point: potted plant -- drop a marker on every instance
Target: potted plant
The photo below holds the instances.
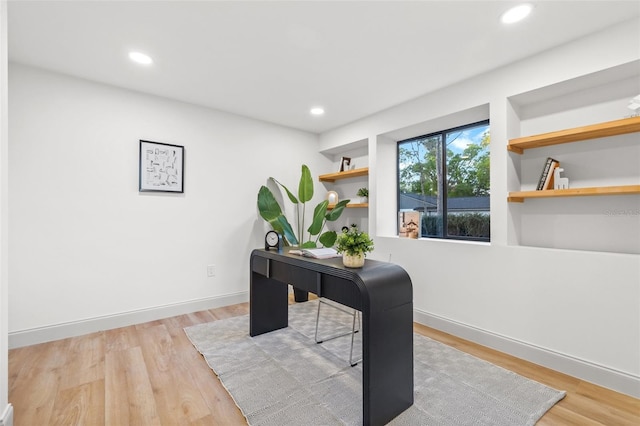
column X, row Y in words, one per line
column 271, row 211
column 354, row 246
column 363, row 193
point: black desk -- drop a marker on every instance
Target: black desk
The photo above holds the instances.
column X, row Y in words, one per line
column 381, row 291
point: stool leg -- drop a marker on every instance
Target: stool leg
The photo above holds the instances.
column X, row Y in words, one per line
column 324, row 339
column 317, row 322
column 356, row 313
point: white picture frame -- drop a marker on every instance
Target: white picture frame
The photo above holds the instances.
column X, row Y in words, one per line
column 161, row 167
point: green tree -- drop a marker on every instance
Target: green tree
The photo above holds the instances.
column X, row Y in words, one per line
column 418, row 166
column 467, row 172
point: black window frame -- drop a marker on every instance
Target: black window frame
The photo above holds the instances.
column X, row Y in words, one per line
column 442, row 185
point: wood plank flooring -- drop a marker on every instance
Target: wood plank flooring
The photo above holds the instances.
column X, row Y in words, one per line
column 150, row 374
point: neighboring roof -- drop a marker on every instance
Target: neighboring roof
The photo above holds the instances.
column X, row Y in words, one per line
column 429, row 203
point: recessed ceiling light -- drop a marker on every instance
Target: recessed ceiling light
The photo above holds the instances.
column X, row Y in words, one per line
column 517, row 13
column 140, row 58
column 317, row 111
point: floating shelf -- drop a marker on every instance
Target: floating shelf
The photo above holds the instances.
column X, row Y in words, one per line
column 520, row 196
column 600, row 130
column 350, row 205
column 332, row 177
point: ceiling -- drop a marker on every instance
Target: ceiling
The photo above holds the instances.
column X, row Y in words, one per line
column 273, row 60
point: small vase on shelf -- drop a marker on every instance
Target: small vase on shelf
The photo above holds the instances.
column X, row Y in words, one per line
column 363, row 193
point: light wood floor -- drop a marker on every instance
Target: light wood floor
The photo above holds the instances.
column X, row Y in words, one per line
column 150, row 374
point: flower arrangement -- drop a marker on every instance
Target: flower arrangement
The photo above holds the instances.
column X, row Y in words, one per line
column 354, row 242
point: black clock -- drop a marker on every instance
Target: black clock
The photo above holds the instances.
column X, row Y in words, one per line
column 273, row 240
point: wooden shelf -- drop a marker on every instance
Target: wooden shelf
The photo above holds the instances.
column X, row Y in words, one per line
column 601, row 130
column 520, row 196
column 350, row 205
column 332, row 177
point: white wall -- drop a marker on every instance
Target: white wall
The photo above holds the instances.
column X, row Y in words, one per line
column 575, row 311
column 87, row 250
column 6, row 411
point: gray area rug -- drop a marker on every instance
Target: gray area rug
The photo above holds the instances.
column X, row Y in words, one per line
column 285, row 378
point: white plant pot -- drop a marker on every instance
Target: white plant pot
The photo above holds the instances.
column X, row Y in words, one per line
column 350, row 261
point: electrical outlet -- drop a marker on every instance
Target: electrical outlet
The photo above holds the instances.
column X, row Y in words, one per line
column 211, row 270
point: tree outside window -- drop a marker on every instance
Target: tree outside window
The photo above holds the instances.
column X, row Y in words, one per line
column 445, row 175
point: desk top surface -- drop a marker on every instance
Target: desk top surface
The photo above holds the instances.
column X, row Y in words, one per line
column 333, row 266
column 389, row 280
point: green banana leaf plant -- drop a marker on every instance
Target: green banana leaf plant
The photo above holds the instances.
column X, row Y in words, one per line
column 271, row 211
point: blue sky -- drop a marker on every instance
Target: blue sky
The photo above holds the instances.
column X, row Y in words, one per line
column 469, row 136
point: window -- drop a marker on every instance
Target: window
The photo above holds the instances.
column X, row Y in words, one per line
column 445, row 176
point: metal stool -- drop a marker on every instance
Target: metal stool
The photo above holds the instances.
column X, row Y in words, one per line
column 354, row 313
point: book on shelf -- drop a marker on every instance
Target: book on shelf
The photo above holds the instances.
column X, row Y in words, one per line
column 546, row 176
column 549, row 182
column 317, row 253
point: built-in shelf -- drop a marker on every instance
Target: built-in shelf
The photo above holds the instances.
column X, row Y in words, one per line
column 600, row 130
column 332, row 177
column 520, row 196
column 350, row 205
column 576, row 134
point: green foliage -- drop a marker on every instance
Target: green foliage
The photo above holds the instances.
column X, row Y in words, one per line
column 354, row 242
column 468, row 172
column 363, row 192
column 476, row 225
column 271, row 211
column 305, row 187
column 421, row 169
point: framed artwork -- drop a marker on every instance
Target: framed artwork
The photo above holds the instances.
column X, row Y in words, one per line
column 161, row 167
column 409, row 224
column 345, row 162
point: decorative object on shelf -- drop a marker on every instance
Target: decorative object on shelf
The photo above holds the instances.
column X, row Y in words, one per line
column 345, row 164
column 272, row 239
column 271, row 211
column 161, row 167
column 363, row 193
column 560, row 182
column 409, row 225
column 332, row 197
column 354, row 246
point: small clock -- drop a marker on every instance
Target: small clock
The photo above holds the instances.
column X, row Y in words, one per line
column 273, row 240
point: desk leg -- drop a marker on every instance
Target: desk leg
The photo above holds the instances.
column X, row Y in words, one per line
column 300, row 295
column 268, row 305
column 388, row 363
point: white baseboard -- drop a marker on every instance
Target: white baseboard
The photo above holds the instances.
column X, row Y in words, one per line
column 618, row 381
column 7, row 416
column 78, row 328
